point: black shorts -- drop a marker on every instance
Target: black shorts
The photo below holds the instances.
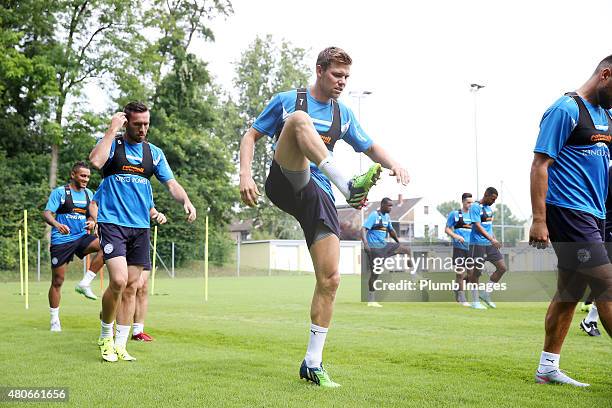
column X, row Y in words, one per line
column 63, row 253
column 132, row 243
column 577, row 238
column 310, row 207
column 388, row 250
column 459, row 256
column 485, row 252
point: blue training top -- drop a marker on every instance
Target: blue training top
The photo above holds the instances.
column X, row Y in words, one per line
column 378, row 226
column 282, row 105
column 464, row 230
column 125, row 200
column 484, row 215
column 578, row 179
column 74, row 221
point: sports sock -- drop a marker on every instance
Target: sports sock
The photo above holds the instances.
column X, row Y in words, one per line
column 121, row 335
column 548, row 362
column 107, row 329
column 592, row 316
column 330, row 168
column 86, row 281
column 137, row 328
column 314, row 352
column 54, row 311
column 475, row 296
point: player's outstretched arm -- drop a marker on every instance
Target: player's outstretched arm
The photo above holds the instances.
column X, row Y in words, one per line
column 538, row 233
column 379, row 155
column 179, row 194
column 100, row 153
column 248, row 189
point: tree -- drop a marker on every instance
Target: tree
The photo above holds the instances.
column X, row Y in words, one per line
column 513, row 230
column 447, row 206
column 263, row 70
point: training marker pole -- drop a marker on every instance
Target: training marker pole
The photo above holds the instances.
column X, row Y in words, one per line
column 25, row 257
column 206, row 263
column 154, row 259
column 20, row 264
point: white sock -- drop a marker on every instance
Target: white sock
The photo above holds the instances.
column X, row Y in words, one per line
column 593, row 315
column 314, row 352
column 137, row 328
column 475, row 296
column 330, row 168
column 54, row 311
column 86, row 281
column 548, row 362
column 121, row 335
column 107, row 329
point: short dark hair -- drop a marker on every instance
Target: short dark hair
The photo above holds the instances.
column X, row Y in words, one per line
column 490, row 191
column 465, row 195
column 385, row 201
column 79, row 165
column 134, row 107
column 604, row 63
column 333, row 54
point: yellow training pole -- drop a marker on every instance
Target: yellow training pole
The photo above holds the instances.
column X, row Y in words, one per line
column 25, row 257
column 20, row 264
column 206, row 263
column 154, row 259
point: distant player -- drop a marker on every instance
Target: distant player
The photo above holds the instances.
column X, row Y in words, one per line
column 125, row 199
column 374, row 234
column 569, row 186
column 141, row 299
column 306, row 124
column 459, row 228
column 71, row 235
column 484, row 247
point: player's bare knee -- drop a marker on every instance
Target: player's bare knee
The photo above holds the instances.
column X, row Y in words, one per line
column 330, row 283
column 57, row 281
column 118, row 284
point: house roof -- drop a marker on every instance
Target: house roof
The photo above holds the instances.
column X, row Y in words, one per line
column 242, row 225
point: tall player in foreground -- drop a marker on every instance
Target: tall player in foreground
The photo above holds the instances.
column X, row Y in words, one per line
column 306, row 123
column 569, row 183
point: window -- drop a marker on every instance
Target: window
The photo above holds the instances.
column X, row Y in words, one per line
column 426, row 233
column 426, row 209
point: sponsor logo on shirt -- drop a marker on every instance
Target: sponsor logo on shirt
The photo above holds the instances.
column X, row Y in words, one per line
column 132, row 168
column 75, row 217
column 130, row 179
column 326, row 139
column 601, row 138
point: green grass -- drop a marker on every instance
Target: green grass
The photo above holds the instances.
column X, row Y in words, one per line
column 244, row 348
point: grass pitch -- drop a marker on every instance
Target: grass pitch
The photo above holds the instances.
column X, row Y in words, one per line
column 244, row 348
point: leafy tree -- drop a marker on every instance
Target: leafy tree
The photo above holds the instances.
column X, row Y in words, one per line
column 447, row 206
column 514, row 231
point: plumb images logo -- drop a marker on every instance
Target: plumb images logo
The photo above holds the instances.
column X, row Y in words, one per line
column 583, row 255
column 108, row 248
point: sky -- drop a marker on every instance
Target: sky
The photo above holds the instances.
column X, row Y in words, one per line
column 418, row 59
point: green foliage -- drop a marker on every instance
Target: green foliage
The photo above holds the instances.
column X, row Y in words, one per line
column 447, row 206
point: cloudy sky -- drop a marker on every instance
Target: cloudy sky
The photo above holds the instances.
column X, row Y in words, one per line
column 419, row 58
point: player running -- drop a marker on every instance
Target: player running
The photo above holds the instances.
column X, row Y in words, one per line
column 484, row 246
column 569, row 183
column 125, row 199
column 306, row 124
column 68, row 212
column 374, row 234
column 459, row 228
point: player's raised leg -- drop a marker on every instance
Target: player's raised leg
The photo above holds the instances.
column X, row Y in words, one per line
column 97, row 262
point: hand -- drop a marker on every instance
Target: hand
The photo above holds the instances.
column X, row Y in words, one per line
column 159, row 218
column 538, row 234
column 118, row 121
column 190, row 211
column 90, row 225
column 496, row 243
column 248, row 191
column 400, row 174
column 460, row 239
column 63, row 229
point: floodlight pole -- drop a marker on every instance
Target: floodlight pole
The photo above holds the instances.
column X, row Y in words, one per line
column 360, row 95
column 474, row 88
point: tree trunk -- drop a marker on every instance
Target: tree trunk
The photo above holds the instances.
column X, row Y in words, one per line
column 53, row 166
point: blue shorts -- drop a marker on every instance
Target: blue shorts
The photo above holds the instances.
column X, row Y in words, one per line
column 459, row 256
column 577, row 238
column 486, row 253
column 63, row 253
column 131, row 243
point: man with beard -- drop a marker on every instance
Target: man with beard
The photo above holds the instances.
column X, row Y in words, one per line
column 569, row 185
